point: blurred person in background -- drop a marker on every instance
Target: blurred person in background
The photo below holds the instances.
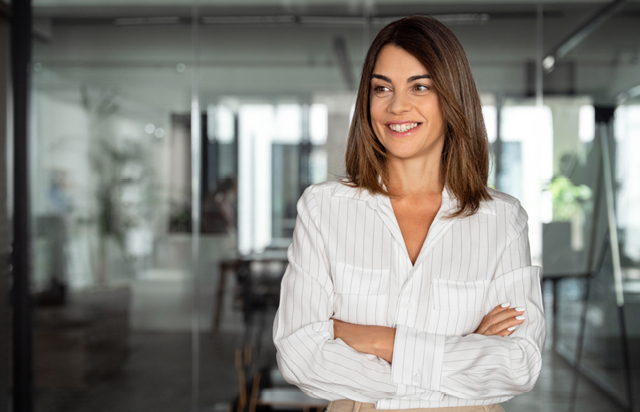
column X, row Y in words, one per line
column 218, row 208
column 410, row 282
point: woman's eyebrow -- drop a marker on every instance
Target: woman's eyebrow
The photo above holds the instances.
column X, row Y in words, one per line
column 409, row 80
column 420, row 76
column 381, row 77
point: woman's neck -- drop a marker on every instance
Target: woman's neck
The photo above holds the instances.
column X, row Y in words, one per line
column 414, row 177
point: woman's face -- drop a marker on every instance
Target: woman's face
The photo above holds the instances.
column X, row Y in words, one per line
column 404, row 107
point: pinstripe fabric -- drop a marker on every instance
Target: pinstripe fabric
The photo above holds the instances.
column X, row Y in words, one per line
column 348, row 260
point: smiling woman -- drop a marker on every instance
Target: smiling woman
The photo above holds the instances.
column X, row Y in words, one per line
column 409, row 281
column 438, row 76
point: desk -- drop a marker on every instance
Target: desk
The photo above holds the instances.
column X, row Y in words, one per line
column 553, row 280
column 246, row 268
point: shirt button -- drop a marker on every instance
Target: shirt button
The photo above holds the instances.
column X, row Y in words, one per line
column 416, row 377
column 405, row 304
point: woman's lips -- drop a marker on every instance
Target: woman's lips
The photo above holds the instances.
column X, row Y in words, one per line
column 402, row 133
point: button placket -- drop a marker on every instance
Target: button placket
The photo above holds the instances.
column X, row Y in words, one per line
column 405, row 291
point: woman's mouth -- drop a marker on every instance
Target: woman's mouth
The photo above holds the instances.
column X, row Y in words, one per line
column 402, row 127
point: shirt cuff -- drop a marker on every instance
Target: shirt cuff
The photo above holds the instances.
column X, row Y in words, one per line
column 331, row 331
column 417, row 358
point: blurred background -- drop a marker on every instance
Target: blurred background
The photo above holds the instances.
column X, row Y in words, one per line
column 169, row 140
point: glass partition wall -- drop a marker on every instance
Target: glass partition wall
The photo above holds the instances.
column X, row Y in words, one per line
column 167, row 143
column 113, row 269
column 589, row 249
column 170, row 143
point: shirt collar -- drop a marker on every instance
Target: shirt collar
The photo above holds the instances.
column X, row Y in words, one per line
column 449, row 201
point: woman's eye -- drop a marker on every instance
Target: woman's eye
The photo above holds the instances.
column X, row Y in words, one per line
column 421, row 88
column 380, row 89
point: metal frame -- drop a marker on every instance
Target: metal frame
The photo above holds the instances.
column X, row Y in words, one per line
column 5, row 11
column 21, row 37
column 5, row 229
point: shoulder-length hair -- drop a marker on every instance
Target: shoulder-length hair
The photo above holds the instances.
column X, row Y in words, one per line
column 465, row 155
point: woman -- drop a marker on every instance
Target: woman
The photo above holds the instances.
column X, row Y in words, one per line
column 410, row 284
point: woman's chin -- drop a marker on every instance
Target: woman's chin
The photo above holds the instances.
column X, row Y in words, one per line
column 406, row 155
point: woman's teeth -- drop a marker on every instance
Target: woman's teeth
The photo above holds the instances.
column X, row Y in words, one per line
column 402, row 127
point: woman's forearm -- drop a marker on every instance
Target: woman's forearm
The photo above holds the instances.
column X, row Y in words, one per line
column 379, row 340
column 375, row 340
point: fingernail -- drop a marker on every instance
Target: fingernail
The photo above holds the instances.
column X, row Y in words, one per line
column 511, row 328
column 504, row 305
column 521, row 317
column 519, row 309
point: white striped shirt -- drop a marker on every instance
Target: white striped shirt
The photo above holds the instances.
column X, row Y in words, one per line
column 348, row 260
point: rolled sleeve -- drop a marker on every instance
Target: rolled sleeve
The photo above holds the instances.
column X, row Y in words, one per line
column 417, row 358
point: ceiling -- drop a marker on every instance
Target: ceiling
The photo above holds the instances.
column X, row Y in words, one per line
column 144, row 49
column 296, row 3
column 109, row 8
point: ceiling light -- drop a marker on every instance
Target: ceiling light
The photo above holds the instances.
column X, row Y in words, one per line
column 450, row 19
column 248, row 19
column 144, row 21
column 333, row 20
column 548, row 63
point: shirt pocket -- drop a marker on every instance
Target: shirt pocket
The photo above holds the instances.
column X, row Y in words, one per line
column 361, row 294
column 458, row 306
column 355, row 280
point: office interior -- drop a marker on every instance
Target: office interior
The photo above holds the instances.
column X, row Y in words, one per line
column 169, row 141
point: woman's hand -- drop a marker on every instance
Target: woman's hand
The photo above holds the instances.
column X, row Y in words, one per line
column 375, row 340
column 501, row 321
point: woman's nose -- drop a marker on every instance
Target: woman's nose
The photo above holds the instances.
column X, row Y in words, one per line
column 399, row 104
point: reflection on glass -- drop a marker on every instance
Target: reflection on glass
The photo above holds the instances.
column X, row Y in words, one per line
column 527, row 133
column 627, row 133
column 112, row 268
column 490, row 122
column 587, row 128
column 273, row 158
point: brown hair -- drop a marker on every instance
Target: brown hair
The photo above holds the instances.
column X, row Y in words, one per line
column 465, row 155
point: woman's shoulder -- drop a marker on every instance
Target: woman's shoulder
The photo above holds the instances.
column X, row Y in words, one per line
column 498, row 197
column 326, row 185
column 340, row 188
column 326, row 193
column 503, row 204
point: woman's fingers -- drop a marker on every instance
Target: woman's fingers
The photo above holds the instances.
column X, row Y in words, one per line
column 506, row 326
column 500, row 308
column 488, row 319
column 501, row 321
